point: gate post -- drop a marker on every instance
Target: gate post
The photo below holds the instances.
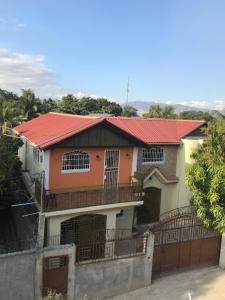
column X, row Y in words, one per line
column 149, row 258
column 222, row 252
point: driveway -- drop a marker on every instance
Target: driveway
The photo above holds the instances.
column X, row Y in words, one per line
column 201, row 284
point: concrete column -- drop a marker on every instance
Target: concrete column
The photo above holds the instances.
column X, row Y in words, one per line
column 222, row 252
column 111, row 219
column 41, row 229
column 149, row 239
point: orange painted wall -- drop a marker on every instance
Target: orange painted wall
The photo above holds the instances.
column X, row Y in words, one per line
column 94, row 177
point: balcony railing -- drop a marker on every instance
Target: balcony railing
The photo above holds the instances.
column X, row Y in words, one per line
column 88, row 196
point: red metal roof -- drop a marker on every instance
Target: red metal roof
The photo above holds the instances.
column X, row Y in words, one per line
column 156, row 130
column 51, row 128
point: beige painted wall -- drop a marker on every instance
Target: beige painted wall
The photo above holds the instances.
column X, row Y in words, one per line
column 54, row 223
column 176, row 195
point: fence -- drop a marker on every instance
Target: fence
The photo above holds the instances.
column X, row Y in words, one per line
column 88, row 196
column 110, row 250
column 116, row 244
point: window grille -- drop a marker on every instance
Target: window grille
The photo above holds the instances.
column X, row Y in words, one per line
column 35, row 155
column 153, row 154
column 76, row 161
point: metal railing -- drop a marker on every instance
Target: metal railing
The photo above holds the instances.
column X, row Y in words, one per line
column 110, row 250
column 88, row 196
column 115, row 245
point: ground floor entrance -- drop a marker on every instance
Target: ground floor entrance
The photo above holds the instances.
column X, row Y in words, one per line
column 88, row 232
column 182, row 241
column 150, row 210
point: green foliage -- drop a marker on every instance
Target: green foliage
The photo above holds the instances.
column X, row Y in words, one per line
column 16, row 109
column 156, row 111
column 53, row 295
column 206, row 177
column 129, row 111
column 195, row 115
column 49, row 105
column 87, row 105
column 10, row 163
column 30, row 106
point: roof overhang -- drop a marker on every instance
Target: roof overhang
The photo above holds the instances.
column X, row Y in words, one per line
column 160, row 176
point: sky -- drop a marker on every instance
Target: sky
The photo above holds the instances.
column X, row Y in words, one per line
column 172, row 50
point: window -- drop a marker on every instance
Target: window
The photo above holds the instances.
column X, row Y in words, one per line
column 76, row 161
column 35, row 155
column 153, row 154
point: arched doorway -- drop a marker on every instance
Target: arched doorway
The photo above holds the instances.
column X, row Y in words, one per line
column 150, row 210
column 88, row 233
column 83, row 229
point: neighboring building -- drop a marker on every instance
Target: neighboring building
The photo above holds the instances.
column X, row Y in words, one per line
column 95, row 168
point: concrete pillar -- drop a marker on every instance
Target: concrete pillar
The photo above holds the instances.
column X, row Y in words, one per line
column 149, row 247
column 41, row 230
column 111, row 220
column 222, row 252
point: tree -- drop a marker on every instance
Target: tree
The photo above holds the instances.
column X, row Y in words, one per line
column 10, row 163
column 107, row 107
column 9, row 108
column 168, row 112
column 87, row 105
column 129, row 111
column 206, row 177
column 30, row 105
column 156, row 111
column 195, row 115
column 69, row 104
column 49, row 105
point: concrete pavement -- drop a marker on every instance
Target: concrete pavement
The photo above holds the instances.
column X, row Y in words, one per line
column 200, row 284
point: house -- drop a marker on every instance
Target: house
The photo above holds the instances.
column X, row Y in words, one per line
column 100, row 175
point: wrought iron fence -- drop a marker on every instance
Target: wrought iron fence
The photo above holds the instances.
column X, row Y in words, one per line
column 88, row 196
column 180, row 225
column 116, row 244
column 110, row 250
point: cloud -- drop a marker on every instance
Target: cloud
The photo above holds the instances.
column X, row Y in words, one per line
column 21, row 25
column 22, row 71
column 10, row 24
column 213, row 105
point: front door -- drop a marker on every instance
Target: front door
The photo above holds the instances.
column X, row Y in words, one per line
column 111, row 173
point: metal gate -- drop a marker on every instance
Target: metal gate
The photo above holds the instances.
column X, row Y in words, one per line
column 111, row 168
column 182, row 241
column 55, row 274
column 88, row 232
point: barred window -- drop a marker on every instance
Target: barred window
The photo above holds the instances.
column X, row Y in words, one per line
column 153, row 154
column 76, row 161
column 35, row 155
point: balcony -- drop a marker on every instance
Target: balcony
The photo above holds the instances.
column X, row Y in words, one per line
column 87, row 196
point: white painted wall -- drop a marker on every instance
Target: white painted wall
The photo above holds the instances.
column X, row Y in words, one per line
column 25, row 154
column 46, row 167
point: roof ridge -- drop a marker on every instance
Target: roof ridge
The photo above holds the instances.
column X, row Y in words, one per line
column 152, row 119
column 74, row 115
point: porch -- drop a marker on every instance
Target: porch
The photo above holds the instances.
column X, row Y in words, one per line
column 87, row 196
